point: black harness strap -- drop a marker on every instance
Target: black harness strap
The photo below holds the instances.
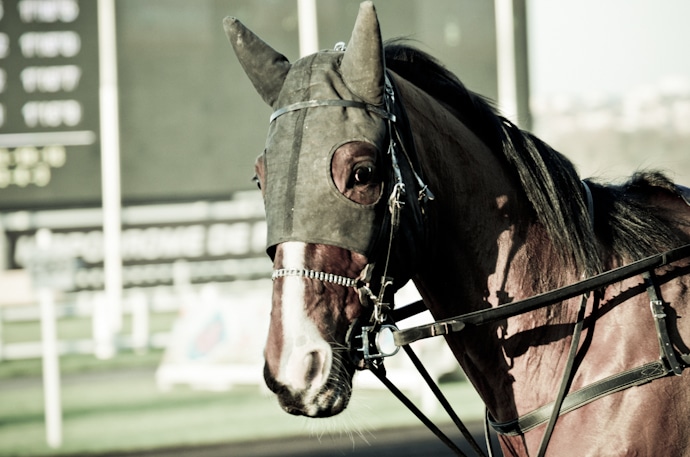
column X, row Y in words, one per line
column 380, row 372
column 485, row 316
column 667, row 364
column 442, row 399
column 620, row 381
column 656, row 304
column 566, row 381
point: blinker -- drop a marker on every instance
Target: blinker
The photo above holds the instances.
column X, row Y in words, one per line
column 317, row 114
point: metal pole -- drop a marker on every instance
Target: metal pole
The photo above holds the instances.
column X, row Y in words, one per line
column 520, row 26
column 308, row 27
column 51, row 363
column 512, row 61
column 505, row 53
column 110, row 161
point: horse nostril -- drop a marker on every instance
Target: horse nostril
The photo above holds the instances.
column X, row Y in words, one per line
column 314, row 363
column 293, row 410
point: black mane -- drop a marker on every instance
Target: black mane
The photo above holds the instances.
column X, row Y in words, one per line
column 624, row 224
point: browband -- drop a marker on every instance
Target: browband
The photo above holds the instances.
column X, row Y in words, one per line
column 335, row 102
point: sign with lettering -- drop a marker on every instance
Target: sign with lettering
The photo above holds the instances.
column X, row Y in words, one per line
column 160, row 244
column 52, row 269
column 49, row 118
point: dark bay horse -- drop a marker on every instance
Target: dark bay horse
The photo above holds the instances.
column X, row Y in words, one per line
column 356, row 136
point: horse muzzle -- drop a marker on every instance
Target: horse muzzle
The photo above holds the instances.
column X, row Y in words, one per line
column 323, row 400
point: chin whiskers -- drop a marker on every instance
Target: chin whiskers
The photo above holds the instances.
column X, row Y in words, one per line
column 350, row 425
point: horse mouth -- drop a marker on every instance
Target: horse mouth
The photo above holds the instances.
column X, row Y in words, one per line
column 329, row 400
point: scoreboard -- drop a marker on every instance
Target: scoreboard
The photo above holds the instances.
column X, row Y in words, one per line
column 48, row 102
column 191, row 124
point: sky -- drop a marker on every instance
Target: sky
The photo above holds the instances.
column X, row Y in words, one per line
column 606, row 46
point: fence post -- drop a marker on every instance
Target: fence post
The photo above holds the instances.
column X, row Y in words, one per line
column 140, row 321
column 51, row 362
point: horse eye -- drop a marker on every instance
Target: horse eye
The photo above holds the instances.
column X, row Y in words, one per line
column 363, row 175
column 257, row 181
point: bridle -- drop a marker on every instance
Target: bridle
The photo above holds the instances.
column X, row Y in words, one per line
column 370, row 337
column 375, row 294
column 375, row 336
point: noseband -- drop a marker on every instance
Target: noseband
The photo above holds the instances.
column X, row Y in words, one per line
column 312, row 274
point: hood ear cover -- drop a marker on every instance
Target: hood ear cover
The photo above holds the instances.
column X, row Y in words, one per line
column 362, row 67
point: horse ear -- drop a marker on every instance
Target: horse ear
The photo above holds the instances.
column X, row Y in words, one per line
column 363, row 66
column 265, row 67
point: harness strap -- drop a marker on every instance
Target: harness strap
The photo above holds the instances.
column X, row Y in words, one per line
column 410, row 335
column 380, row 373
column 667, row 365
column 615, row 383
column 335, row 102
column 488, row 315
column 443, row 400
column 557, row 407
column 666, row 351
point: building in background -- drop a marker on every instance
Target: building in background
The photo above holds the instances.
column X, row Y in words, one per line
column 609, row 88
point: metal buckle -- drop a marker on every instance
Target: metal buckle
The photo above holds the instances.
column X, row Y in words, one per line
column 378, row 342
column 657, row 307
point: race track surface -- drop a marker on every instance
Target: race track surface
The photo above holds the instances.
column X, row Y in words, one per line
column 403, row 442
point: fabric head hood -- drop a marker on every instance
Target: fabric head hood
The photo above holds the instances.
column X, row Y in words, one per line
column 302, row 202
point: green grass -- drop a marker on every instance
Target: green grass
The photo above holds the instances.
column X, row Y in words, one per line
column 110, row 412
column 75, row 327
column 114, row 405
column 72, row 364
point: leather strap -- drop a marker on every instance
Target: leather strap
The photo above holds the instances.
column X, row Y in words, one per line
column 335, row 102
column 380, row 372
column 566, row 381
column 621, row 381
column 404, row 337
column 488, row 315
column 656, row 304
column 667, row 364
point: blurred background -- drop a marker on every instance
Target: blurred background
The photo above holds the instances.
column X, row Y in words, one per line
column 134, row 287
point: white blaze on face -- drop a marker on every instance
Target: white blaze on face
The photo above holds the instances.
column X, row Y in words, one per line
column 306, row 357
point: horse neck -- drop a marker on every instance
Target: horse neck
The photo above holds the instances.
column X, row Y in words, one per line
column 484, row 251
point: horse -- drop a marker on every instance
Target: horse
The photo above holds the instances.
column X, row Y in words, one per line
column 381, row 167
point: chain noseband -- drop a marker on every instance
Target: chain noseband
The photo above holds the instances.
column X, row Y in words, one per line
column 312, row 274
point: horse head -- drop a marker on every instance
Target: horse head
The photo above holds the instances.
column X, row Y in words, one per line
column 324, row 176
